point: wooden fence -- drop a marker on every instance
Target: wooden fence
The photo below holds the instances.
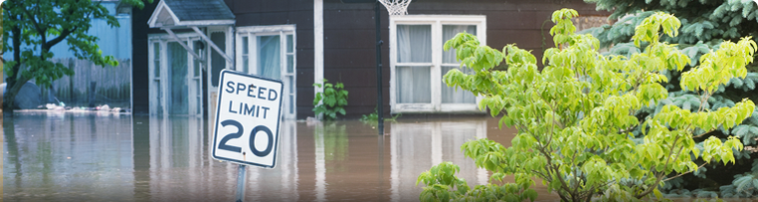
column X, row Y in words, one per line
column 94, row 85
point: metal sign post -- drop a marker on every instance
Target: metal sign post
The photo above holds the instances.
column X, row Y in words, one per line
column 247, row 122
column 240, row 183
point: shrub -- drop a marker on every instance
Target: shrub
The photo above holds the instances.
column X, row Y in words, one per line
column 331, row 100
column 575, row 116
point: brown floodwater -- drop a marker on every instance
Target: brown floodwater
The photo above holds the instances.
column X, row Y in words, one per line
column 83, row 156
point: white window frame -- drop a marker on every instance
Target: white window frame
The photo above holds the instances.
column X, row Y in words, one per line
column 251, row 32
column 163, row 39
column 436, row 22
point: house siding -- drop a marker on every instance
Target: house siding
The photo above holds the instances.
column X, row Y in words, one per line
column 349, row 37
column 349, row 46
column 281, row 12
column 140, row 78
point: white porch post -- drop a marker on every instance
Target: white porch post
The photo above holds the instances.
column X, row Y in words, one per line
column 318, row 44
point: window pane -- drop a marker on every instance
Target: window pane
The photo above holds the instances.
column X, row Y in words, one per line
column 414, row 85
column 158, row 97
column 290, row 84
column 290, row 44
column 199, row 97
column 290, row 63
column 218, row 62
column 448, row 32
column 245, row 57
column 244, row 45
column 178, row 94
column 292, row 104
column 196, row 62
column 245, row 64
column 269, row 64
column 456, row 95
column 414, row 43
column 157, row 60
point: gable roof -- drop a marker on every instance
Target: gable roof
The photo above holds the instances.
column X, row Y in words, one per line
column 172, row 13
column 191, row 10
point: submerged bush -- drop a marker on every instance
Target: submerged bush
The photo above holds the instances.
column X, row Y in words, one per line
column 332, row 100
column 575, row 117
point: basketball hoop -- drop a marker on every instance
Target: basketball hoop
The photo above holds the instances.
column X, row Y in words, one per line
column 398, row 7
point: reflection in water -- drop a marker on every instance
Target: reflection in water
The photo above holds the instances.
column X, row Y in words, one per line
column 54, row 158
column 85, row 157
column 416, row 147
column 320, row 163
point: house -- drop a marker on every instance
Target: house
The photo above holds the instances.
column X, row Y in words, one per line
column 180, row 46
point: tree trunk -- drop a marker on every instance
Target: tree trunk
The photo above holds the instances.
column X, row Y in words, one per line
column 13, row 86
column 10, row 95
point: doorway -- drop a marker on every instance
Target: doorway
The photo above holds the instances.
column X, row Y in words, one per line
column 175, row 76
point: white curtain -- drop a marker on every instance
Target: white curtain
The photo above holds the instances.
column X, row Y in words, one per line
column 414, row 44
column 269, row 64
column 413, row 85
column 178, row 67
column 454, row 95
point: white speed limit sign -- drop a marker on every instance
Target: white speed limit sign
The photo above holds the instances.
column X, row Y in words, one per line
column 247, row 120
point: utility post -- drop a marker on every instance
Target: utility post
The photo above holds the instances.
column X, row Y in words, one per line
column 379, row 42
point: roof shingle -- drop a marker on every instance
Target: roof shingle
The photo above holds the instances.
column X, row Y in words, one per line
column 192, row 10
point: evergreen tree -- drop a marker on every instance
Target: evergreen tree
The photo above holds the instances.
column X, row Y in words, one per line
column 705, row 25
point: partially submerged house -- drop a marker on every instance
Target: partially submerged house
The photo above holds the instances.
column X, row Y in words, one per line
column 180, row 46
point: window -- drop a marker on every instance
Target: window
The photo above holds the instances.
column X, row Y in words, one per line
column 269, row 52
column 175, row 75
column 418, row 62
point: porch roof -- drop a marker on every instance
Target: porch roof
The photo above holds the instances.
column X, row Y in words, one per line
column 187, row 13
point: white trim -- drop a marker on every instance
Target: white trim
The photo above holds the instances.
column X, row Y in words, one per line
column 267, row 28
column 181, row 42
column 164, row 77
column 213, row 45
column 230, row 46
column 318, row 44
column 154, row 16
column 229, row 41
column 205, row 22
column 186, row 40
column 436, row 22
column 152, row 21
column 252, row 33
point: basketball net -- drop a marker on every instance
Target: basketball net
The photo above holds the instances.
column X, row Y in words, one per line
column 398, row 7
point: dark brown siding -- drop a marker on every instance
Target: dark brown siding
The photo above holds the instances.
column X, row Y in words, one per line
column 350, row 53
column 522, row 22
column 349, row 42
column 349, row 32
column 140, row 74
column 280, row 12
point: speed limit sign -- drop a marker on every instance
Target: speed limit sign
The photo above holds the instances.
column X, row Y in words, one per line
column 247, row 120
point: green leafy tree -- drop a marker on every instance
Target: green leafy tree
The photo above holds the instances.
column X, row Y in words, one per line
column 705, row 24
column 34, row 27
column 575, row 116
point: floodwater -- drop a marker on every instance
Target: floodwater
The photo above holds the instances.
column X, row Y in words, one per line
column 66, row 156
